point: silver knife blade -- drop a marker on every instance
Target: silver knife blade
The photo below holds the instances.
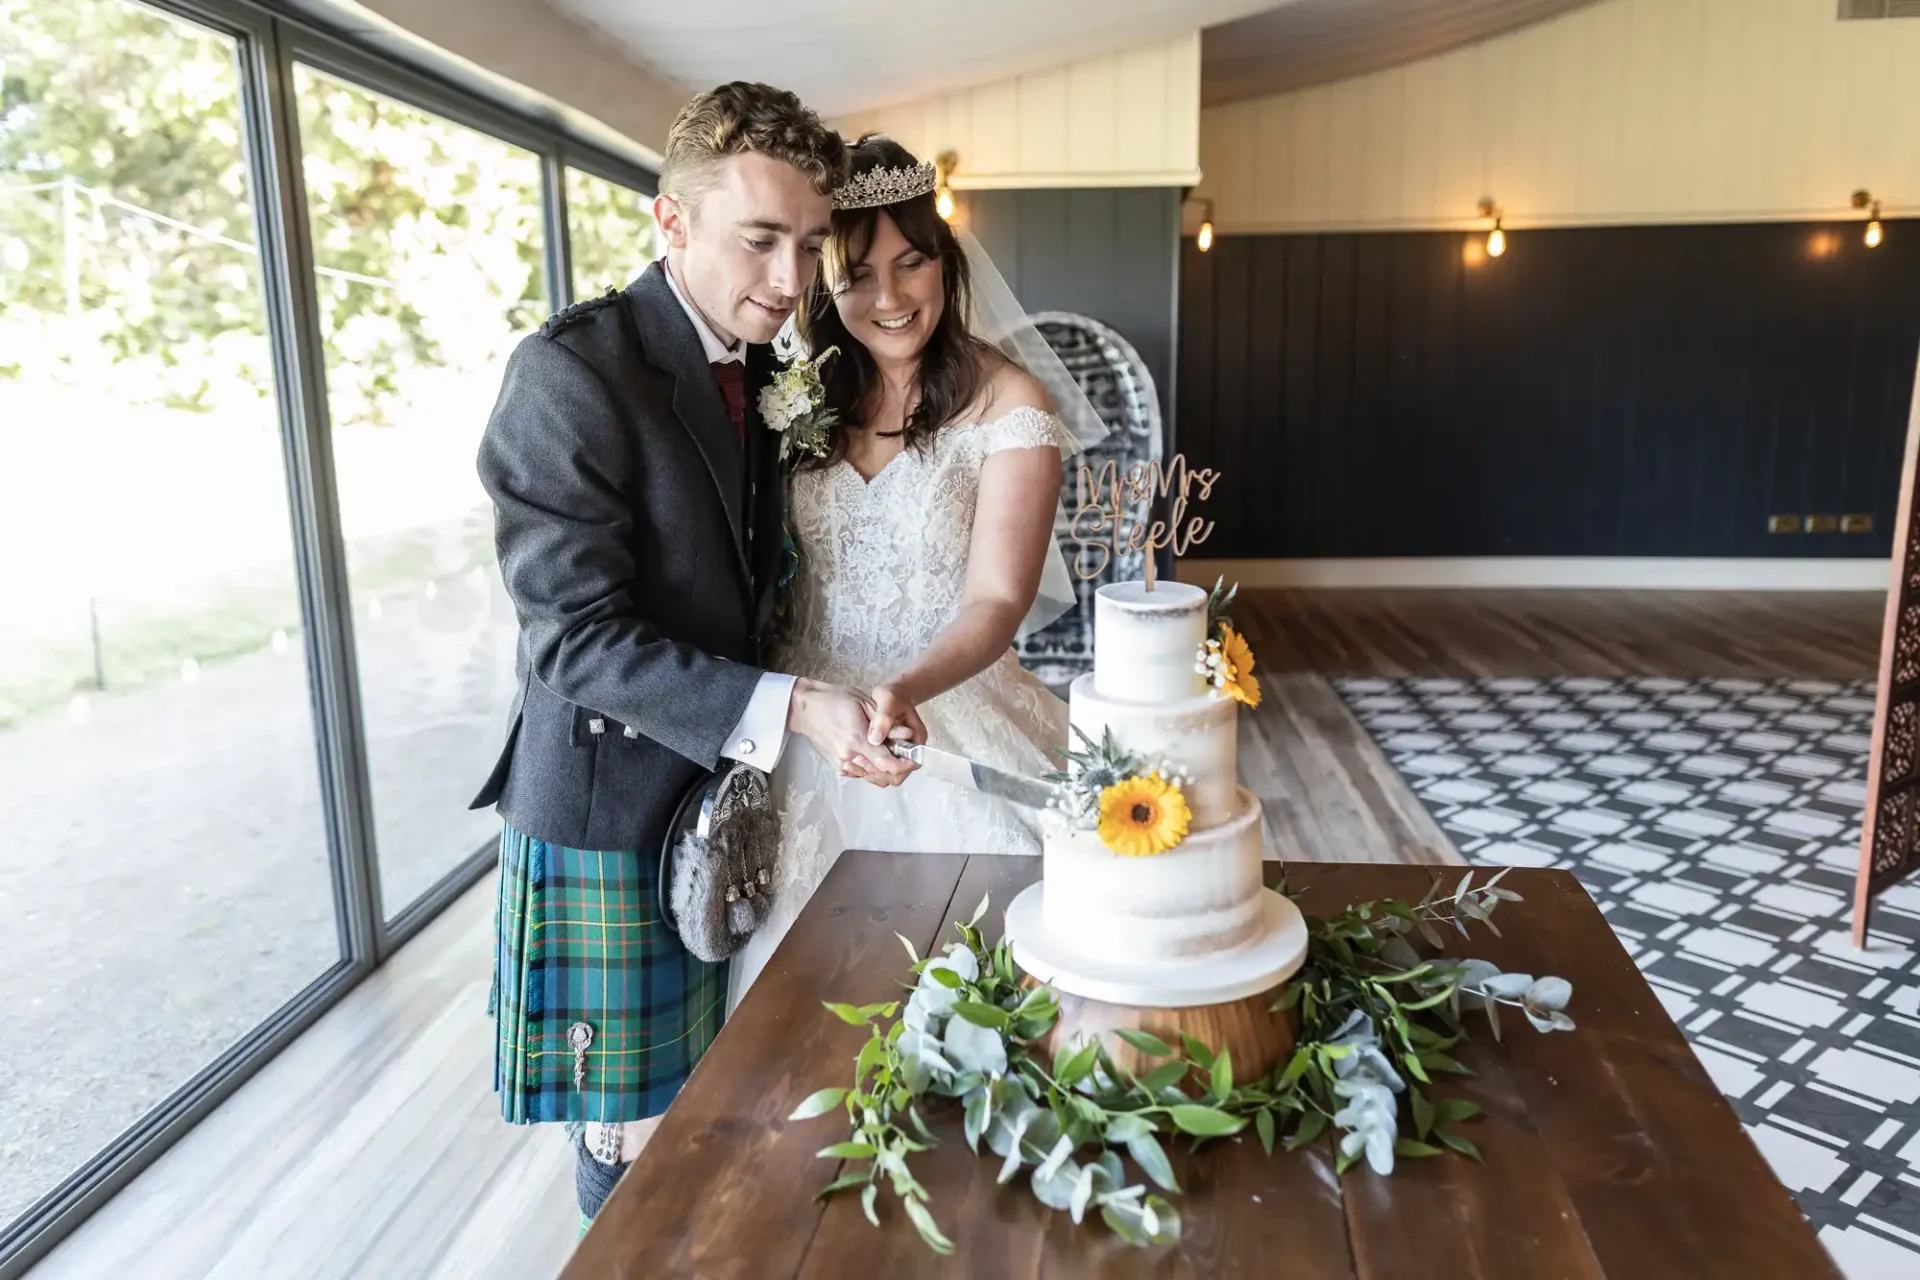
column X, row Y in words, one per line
column 1016, row 788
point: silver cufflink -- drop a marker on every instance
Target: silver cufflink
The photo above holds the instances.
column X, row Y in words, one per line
column 746, row 747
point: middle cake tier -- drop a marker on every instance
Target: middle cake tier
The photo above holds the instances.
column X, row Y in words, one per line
column 1194, row 737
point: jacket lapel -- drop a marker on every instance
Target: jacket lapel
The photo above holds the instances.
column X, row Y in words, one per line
column 673, row 344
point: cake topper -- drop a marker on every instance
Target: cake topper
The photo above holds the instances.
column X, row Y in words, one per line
column 1103, row 530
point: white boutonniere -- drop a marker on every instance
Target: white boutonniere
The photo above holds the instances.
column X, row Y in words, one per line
column 794, row 403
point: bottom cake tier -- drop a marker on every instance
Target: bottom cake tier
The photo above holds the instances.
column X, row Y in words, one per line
column 1198, row 899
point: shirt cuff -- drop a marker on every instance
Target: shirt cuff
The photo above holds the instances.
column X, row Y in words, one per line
column 761, row 735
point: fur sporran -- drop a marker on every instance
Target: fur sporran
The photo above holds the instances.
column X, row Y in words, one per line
column 717, row 862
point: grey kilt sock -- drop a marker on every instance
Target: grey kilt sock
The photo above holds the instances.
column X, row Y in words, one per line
column 593, row 1178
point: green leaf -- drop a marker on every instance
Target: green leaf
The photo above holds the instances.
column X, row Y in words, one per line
column 980, row 910
column 872, row 1055
column 866, row 1203
column 1442, row 1062
column 982, row 1015
column 1459, row 1143
column 882, row 1010
column 841, row 1183
column 1152, row 1159
column 1452, row 1110
column 1422, row 1112
column 819, row 1104
column 1302, row 1059
column 1408, row 1147
column 1078, row 1065
column 847, row 1151
column 1124, row 1225
column 1288, row 998
column 1145, row 1043
column 947, row 978
column 846, row 1013
column 928, row 1232
column 1205, row 1122
column 1199, row 1052
column 1223, row 1075
column 912, row 954
column 1263, row 1125
column 1126, row 1126
column 1346, row 1162
column 979, row 1108
column 1163, row 1075
column 1312, row 1125
column 1413, row 1066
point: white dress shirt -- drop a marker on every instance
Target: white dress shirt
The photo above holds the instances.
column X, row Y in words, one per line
column 761, row 735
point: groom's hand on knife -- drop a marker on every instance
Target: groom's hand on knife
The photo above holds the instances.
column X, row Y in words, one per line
column 835, row 719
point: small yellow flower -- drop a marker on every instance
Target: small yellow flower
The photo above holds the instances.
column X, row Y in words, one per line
column 1140, row 817
column 1238, row 681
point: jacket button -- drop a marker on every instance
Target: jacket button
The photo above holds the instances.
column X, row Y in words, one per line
column 596, row 725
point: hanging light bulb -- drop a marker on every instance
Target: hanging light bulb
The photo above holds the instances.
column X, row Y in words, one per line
column 1496, row 238
column 1204, row 240
column 945, row 163
column 1863, row 199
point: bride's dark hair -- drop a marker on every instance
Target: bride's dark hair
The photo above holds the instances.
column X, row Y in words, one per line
column 954, row 365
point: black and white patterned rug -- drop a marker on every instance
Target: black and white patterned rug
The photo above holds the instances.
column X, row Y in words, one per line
column 1717, row 824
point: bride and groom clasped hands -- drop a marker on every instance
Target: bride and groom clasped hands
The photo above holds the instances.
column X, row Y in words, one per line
column 696, row 586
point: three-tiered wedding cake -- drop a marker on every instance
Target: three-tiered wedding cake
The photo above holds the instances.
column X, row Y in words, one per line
column 1181, row 916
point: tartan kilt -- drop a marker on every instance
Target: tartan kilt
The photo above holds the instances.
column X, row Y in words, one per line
column 579, row 940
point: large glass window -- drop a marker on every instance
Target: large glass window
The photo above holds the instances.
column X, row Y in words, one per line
column 610, row 234
column 164, row 882
column 427, row 238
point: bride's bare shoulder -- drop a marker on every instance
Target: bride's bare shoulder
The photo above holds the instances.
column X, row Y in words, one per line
column 1007, row 387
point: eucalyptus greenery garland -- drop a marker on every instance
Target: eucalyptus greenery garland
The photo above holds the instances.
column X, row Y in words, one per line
column 1370, row 1009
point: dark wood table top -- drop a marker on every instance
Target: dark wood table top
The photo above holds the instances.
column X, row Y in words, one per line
column 1608, row 1150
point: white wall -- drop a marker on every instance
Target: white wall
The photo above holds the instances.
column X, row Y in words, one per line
column 1129, row 119
column 537, row 46
column 1629, row 111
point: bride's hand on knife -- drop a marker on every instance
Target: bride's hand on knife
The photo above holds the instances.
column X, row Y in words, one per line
column 891, row 718
column 836, row 720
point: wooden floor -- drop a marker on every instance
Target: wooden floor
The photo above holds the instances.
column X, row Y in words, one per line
column 373, row 1147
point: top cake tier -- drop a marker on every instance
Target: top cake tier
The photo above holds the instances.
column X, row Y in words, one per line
column 1145, row 642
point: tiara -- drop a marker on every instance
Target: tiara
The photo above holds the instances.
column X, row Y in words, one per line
column 885, row 186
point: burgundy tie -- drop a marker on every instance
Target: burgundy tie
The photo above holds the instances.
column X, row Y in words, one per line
column 731, row 376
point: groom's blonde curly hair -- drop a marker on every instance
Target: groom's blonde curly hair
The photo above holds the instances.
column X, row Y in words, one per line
column 744, row 116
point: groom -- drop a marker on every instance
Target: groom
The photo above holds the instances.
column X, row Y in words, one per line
column 637, row 518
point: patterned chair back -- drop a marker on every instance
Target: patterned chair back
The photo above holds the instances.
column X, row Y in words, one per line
column 1116, row 380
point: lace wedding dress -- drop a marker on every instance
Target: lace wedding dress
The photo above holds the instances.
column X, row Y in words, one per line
column 885, row 565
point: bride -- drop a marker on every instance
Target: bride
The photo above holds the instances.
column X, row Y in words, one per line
column 923, row 536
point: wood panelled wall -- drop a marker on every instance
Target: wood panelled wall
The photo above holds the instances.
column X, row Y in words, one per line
column 1638, row 391
column 1119, row 120
column 1628, row 111
column 1108, row 254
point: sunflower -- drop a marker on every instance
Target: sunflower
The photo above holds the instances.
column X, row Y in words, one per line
column 1237, row 680
column 1142, row 816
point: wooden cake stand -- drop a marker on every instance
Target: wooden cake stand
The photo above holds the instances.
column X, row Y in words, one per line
column 1223, row 1001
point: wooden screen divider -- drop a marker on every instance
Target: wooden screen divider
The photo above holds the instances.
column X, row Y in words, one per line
column 1890, row 827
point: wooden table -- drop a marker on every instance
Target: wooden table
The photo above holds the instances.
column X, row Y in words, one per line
column 1608, row 1150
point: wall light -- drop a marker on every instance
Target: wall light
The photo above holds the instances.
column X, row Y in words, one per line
column 1204, row 241
column 946, row 162
column 1496, row 238
column 1875, row 233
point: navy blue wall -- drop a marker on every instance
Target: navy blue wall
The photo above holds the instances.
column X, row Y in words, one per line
column 1109, row 253
column 1598, row 391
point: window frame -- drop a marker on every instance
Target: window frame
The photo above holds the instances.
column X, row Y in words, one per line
column 270, row 38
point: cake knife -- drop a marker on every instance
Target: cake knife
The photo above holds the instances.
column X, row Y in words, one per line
column 1017, row 788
